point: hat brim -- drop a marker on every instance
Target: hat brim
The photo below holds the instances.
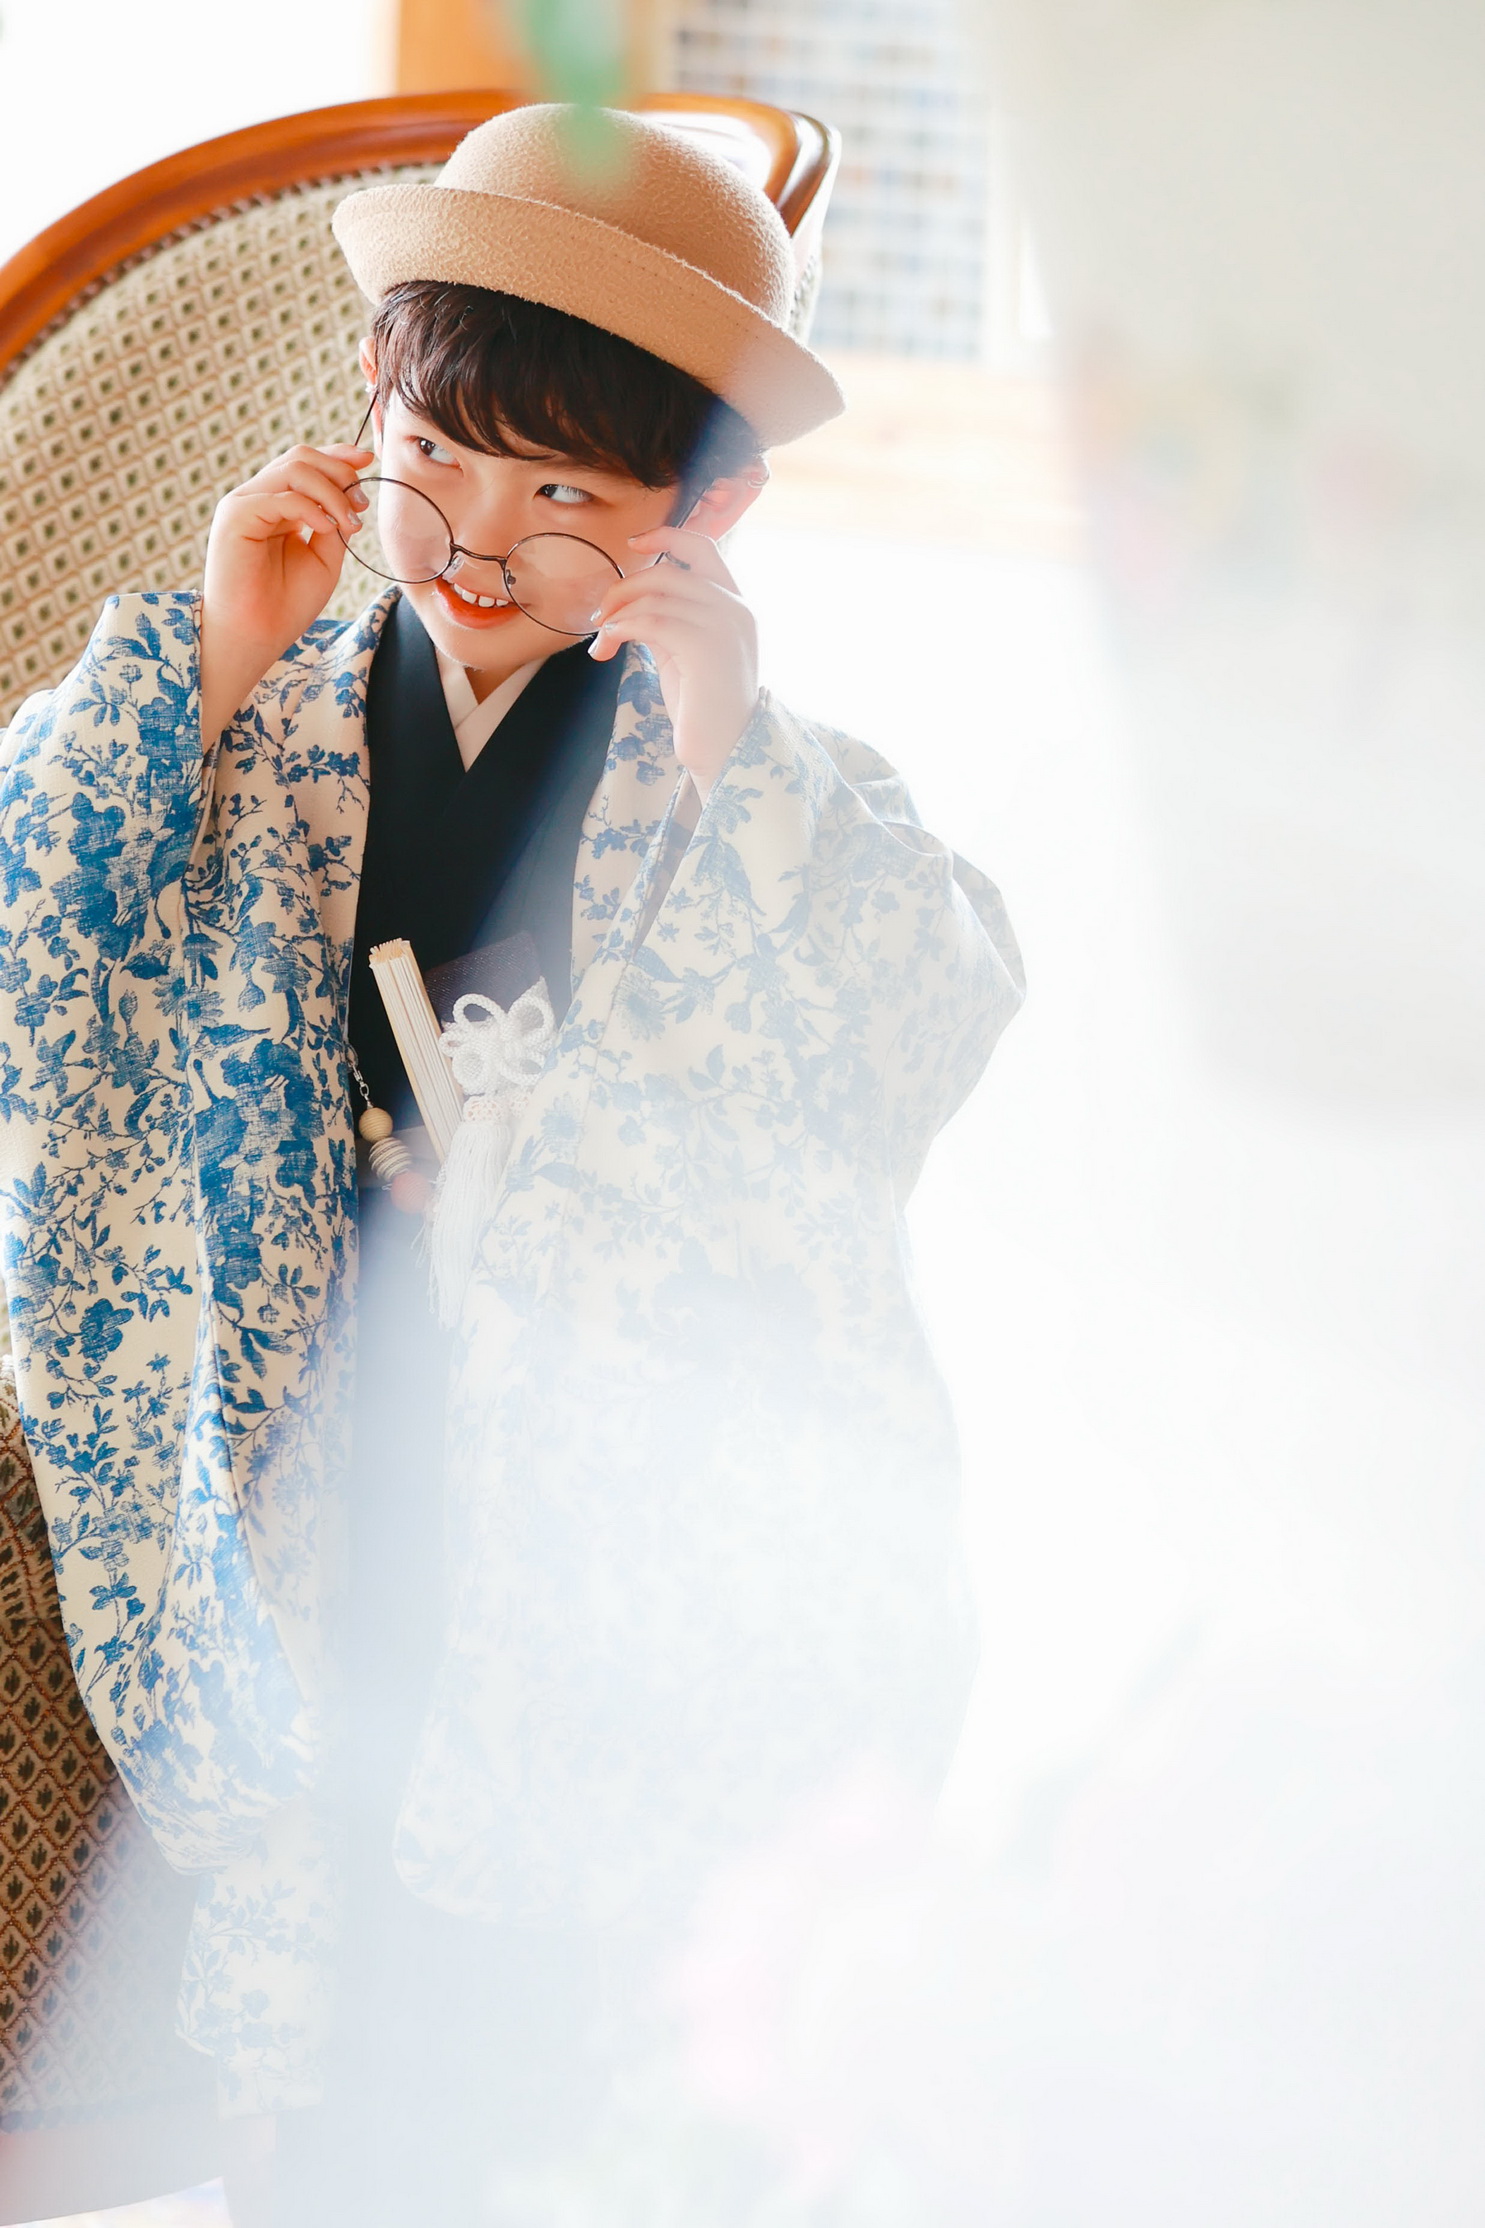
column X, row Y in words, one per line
column 576, row 263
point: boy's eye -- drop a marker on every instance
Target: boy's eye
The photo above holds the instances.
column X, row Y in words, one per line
column 433, row 450
column 557, row 491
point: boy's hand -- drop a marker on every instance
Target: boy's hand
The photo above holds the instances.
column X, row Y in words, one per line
column 272, row 560
column 690, row 617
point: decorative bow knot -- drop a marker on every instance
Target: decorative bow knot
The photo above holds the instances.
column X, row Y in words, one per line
column 497, row 1061
column 506, row 1051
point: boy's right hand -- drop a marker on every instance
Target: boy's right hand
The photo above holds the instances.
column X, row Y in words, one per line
column 273, row 558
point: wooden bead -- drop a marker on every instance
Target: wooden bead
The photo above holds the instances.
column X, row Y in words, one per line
column 374, row 1123
column 389, row 1157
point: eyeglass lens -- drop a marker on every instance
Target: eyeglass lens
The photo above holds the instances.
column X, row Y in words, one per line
column 556, row 579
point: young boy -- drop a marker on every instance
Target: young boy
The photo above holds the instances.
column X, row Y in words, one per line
column 661, row 1541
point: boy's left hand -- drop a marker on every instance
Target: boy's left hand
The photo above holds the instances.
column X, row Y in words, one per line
column 702, row 636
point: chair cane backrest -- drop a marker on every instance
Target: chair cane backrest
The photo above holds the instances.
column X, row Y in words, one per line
column 162, row 343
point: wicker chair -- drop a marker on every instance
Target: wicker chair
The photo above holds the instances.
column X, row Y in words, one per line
column 164, row 340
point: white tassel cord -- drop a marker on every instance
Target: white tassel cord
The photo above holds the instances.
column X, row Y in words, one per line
column 497, row 1060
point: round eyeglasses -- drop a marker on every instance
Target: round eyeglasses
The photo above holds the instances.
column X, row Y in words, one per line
column 558, row 580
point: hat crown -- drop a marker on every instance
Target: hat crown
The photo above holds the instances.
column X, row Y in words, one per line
column 653, row 184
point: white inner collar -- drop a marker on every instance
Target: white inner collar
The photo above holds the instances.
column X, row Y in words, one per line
column 475, row 723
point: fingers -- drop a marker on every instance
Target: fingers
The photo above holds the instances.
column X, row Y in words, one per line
column 663, row 604
column 340, row 463
column 269, row 516
column 665, row 624
column 342, row 459
column 337, row 468
column 676, row 614
column 683, row 590
column 687, row 550
column 326, row 484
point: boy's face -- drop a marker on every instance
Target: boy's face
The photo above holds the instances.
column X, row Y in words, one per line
column 491, row 503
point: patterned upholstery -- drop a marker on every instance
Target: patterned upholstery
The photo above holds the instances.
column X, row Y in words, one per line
column 123, row 426
column 92, row 1919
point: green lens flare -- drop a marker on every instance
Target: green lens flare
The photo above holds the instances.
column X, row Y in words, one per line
column 578, row 49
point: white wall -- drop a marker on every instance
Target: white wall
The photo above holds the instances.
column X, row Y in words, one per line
column 94, row 89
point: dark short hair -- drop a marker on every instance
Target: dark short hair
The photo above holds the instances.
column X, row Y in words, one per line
column 489, row 368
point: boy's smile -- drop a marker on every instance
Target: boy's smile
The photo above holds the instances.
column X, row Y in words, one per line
column 465, row 609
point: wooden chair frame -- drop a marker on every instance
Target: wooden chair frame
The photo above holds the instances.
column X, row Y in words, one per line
column 82, row 251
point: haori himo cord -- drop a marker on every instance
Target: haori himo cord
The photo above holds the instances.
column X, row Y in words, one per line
column 455, row 1659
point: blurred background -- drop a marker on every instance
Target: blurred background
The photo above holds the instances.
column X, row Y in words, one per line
column 1153, row 549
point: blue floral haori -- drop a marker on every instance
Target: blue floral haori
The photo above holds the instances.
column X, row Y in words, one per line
column 701, row 1517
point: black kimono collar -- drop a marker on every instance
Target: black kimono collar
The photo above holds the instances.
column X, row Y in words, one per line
column 460, row 858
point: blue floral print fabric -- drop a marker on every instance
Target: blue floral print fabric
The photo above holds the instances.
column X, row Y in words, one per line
column 701, row 1507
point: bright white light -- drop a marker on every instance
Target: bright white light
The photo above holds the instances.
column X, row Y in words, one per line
column 93, row 91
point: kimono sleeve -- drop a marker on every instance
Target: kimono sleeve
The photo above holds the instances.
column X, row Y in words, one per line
column 962, row 978
column 101, row 786
column 888, row 962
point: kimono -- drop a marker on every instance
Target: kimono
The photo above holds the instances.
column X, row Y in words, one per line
column 701, row 1532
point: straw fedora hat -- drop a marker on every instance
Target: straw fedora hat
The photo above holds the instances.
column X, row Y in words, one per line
column 666, row 246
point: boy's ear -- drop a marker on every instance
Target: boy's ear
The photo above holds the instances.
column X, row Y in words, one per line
column 368, row 362
column 718, row 508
